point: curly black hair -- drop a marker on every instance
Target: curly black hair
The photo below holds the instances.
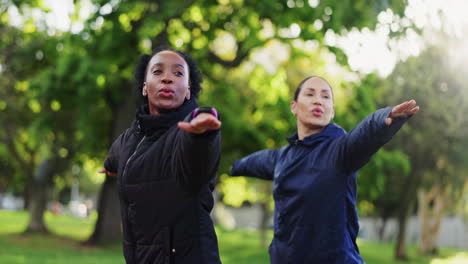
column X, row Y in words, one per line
column 195, row 76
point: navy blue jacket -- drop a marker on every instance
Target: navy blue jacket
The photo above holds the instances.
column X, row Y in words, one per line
column 165, row 178
column 314, row 188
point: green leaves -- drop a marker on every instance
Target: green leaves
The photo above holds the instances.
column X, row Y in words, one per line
column 74, row 85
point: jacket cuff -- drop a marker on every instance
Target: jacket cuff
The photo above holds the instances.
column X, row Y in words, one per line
column 205, row 109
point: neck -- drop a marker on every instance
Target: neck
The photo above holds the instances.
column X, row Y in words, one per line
column 158, row 111
column 153, row 111
column 304, row 131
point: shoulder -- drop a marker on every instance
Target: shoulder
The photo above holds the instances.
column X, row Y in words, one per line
column 334, row 130
column 130, row 131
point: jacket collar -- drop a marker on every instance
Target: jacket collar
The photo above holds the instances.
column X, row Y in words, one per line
column 149, row 124
column 331, row 130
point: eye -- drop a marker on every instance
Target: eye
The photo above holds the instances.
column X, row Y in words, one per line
column 326, row 96
column 178, row 73
column 309, row 94
column 157, row 71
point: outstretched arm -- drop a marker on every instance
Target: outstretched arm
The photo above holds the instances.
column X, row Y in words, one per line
column 198, row 146
column 374, row 132
column 260, row 164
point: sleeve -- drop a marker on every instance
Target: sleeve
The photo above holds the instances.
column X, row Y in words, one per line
column 367, row 138
column 197, row 156
column 260, row 164
column 112, row 161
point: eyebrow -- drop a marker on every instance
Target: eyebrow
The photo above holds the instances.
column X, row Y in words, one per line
column 162, row 64
column 323, row 90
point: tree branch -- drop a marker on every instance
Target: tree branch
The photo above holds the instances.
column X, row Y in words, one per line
column 10, row 143
column 240, row 56
column 163, row 37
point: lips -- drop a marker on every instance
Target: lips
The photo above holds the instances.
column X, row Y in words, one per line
column 317, row 112
column 166, row 92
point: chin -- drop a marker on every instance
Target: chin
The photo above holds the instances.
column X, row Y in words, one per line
column 316, row 123
column 169, row 107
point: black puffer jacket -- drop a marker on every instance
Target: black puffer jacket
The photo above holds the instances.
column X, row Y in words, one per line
column 165, row 180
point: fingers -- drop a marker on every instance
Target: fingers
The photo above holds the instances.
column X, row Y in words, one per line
column 200, row 125
column 186, row 126
column 211, row 122
column 405, row 106
column 404, row 109
column 388, row 121
column 190, row 128
column 110, row 173
column 414, row 110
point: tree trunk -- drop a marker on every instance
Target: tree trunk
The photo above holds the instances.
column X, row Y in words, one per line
column 38, row 196
column 430, row 218
column 265, row 189
column 400, row 248
column 264, row 223
column 108, row 224
column 403, row 211
column 382, row 228
column 26, row 193
column 108, row 228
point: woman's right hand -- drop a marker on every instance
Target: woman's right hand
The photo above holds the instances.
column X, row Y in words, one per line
column 201, row 123
column 110, row 173
column 403, row 110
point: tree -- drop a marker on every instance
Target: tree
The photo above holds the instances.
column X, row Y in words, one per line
column 432, row 140
column 196, row 27
column 105, row 51
column 23, row 136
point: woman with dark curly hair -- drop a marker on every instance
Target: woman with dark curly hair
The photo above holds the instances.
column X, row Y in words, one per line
column 166, row 163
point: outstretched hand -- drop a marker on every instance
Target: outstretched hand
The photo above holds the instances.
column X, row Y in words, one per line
column 110, row 173
column 403, row 110
column 201, row 123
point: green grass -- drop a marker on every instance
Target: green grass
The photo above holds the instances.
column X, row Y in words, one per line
column 382, row 253
column 63, row 246
column 236, row 246
column 241, row 247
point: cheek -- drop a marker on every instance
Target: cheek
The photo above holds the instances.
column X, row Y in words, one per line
column 185, row 91
column 184, row 84
column 303, row 106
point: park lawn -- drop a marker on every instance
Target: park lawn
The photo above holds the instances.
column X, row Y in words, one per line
column 236, row 246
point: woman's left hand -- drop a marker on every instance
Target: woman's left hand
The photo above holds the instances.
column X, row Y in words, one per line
column 402, row 110
column 201, row 123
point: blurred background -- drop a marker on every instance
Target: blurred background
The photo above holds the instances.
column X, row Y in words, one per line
column 66, row 92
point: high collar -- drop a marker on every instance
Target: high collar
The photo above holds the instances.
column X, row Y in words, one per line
column 150, row 124
column 331, row 130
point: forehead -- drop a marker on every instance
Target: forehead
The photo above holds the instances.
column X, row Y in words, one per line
column 316, row 84
column 167, row 57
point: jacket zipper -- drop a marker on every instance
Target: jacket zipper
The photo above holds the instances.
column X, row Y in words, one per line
column 123, row 179
column 128, row 160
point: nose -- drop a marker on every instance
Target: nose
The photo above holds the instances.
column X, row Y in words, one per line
column 166, row 79
column 317, row 101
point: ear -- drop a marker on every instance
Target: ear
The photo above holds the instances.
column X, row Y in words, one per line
column 187, row 96
column 333, row 113
column 144, row 92
column 294, row 107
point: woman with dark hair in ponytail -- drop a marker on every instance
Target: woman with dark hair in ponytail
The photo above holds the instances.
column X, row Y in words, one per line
column 314, row 176
column 166, row 164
